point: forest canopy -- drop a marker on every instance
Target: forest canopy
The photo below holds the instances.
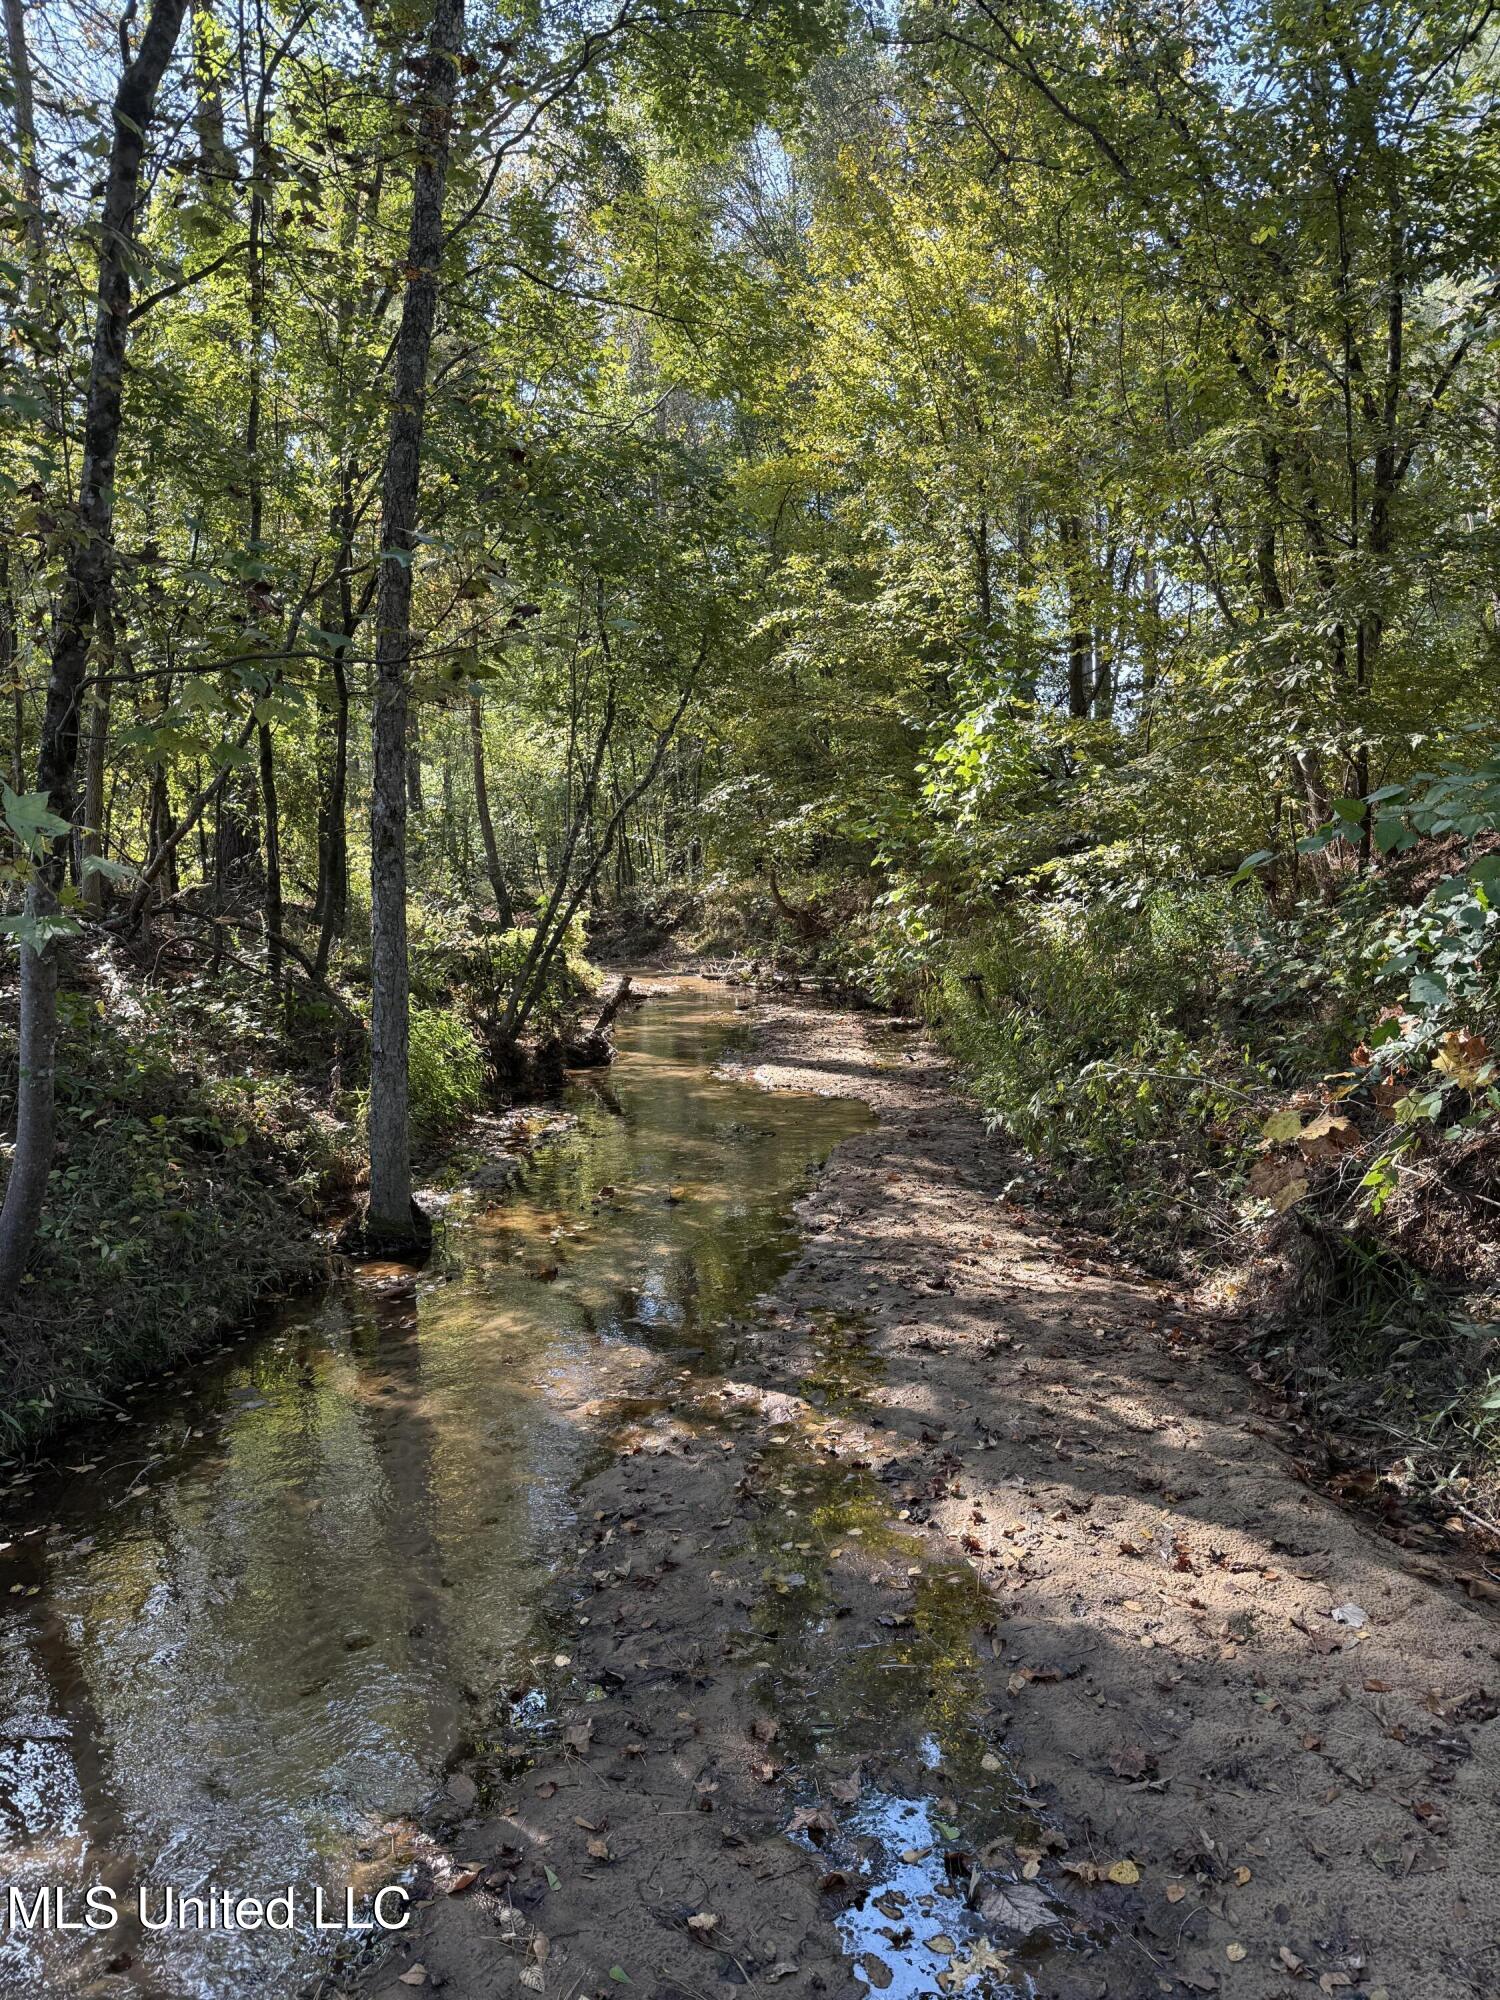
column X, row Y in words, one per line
column 991, row 507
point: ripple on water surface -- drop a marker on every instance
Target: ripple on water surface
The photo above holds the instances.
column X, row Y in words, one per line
column 267, row 1607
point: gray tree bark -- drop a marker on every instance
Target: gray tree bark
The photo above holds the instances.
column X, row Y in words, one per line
column 498, row 886
column 392, row 1220
column 84, row 585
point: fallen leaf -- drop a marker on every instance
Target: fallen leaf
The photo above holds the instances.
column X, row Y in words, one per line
column 1281, row 1126
column 415, row 1975
column 1466, row 1059
column 1235, row 1952
column 982, row 1958
column 1124, row 1873
column 813, row 1821
column 1016, row 1906
column 1327, row 1136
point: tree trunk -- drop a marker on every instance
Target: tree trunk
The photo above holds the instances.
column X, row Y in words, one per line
column 10, row 676
column 392, row 1219
column 333, row 831
column 98, row 751
column 1080, row 671
column 553, row 927
column 23, row 112
column 498, row 888
column 271, row 833
column 84, row 584
column 161, row 844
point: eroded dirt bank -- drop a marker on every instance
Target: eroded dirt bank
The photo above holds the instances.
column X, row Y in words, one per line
column 971, row 1631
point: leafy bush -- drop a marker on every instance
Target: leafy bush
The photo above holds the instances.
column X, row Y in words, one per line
column 462, row 959
column 445, row 1072
column 1093, row 1028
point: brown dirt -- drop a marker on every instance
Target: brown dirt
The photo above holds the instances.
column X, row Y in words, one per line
column 969, row 1515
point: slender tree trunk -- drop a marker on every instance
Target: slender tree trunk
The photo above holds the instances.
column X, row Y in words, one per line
column 163, row 858
column 498, row 888
column 271, row 903
column 333, row 843
column 23, row 111
column 10, row 675
column 392, row 1219
column 554, row 926
column 271, row 830
column 160, row 839
column 84, row 584
column 1080, row 675
column 98, row 751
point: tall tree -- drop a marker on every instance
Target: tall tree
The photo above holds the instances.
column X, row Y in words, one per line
column 84, row 586
column 393, row 1222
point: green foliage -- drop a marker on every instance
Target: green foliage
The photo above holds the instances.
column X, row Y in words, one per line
column 1097, row 1034
column 446, row 1073
column 180, row 1200
column 468, row 960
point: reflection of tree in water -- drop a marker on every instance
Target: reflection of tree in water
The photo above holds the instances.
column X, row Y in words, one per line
column 275, row 1643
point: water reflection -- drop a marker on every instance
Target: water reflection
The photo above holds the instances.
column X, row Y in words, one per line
column 268, row 1610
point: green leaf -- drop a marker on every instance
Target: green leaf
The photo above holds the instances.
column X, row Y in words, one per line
column 31, row 819
column 619, row 1975
column 40, row 932
column 118, row 872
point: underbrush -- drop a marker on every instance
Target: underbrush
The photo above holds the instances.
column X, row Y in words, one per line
column 204, row 1137
column 467, row 963
column 181, row 1199
column 1296, row 1105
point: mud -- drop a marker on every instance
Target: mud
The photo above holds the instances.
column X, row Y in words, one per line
column 963, row 1625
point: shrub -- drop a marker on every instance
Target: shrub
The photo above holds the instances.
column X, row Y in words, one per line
column 446, row 1073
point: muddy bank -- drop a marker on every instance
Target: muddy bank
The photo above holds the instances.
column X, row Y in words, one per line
column 257, row 1621
column 966, row 1627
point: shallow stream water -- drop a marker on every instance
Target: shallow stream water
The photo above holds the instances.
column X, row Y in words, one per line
column 243, row 1631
